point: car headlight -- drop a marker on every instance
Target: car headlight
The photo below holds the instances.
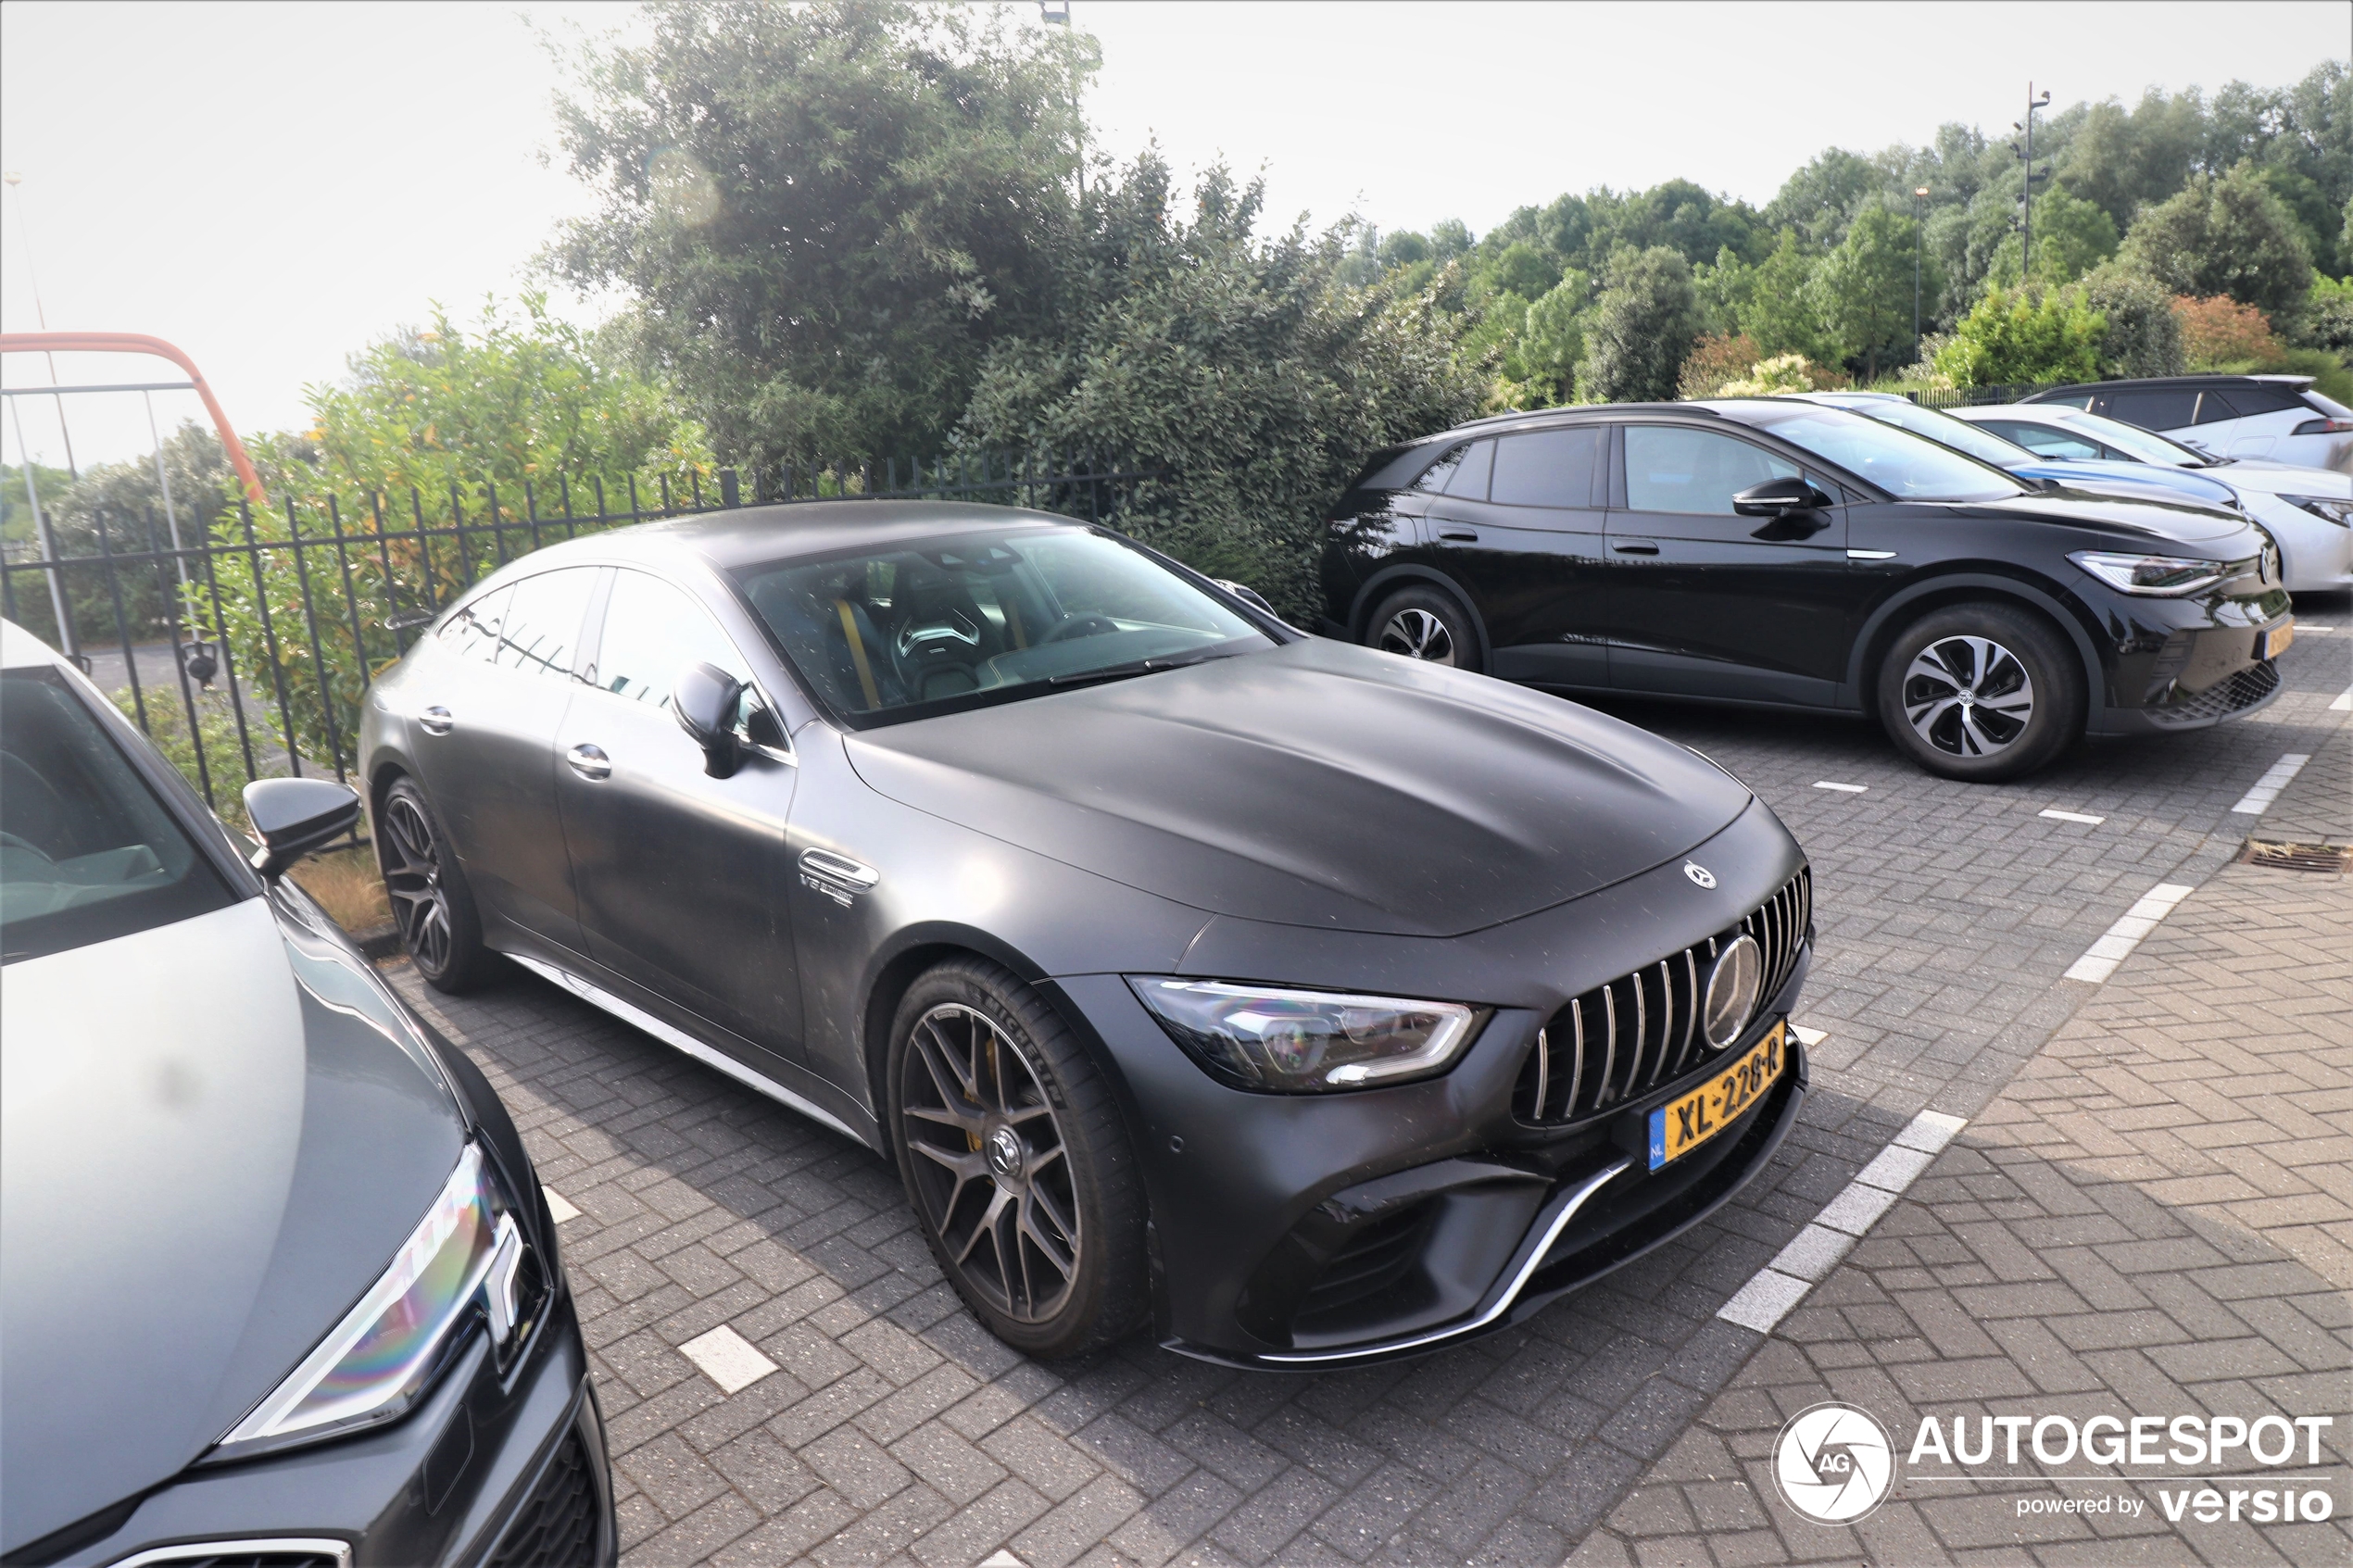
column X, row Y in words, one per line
column 1305, row 1042
column 467, row 1253
column 2338, row 512
column 2159, row 576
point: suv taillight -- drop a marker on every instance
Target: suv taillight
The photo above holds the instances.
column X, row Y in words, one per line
column 2324, row 427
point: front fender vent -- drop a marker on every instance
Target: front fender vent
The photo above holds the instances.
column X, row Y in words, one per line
column 1617, row 1040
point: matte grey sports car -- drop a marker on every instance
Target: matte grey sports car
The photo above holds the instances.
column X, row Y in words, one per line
column 1322, row 1005
column 278, row 1288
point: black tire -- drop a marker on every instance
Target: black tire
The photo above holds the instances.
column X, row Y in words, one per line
column 431, row 901
column 1006, row 1132
column 1427, row 623
column 1981, row 692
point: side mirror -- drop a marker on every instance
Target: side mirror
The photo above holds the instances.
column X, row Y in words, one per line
column 295, row 816
column 1776, row 497
column 705, row 698
column 1247, row 594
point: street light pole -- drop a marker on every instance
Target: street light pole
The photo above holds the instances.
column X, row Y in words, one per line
column 2026, row 196
column 1918, row 192
column 24, row 237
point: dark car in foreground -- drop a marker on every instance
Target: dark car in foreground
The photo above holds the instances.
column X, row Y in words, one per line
column 278, row 1286
column 1320, row 1006
column 1782, row 554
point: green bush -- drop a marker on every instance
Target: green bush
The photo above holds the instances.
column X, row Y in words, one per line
column 2021, row 337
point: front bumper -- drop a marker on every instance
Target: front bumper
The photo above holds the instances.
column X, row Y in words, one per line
column 1293, row 1230
column 490, row 1471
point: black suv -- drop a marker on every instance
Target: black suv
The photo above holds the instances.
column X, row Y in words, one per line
column 1780, row 553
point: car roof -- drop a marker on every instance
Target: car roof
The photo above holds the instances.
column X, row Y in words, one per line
column 1574, row 413
column 19, row 649
column 739, row 536
column 2163, row 383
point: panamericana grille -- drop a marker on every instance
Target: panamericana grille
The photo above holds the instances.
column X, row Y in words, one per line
column 1621, row 1038
column 557, row 1528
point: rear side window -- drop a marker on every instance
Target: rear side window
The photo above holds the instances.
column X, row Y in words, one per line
column 1547, row 468
column 2157, row 409
column 541, row 633
column 472, row 633
column 1462, row 471
column 87, row 851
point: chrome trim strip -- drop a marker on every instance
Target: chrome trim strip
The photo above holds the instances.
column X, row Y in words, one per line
column 1531, row 1258
column 1601, row 1095
column 1641, row 1035
column 197, row 1552
column 1544, row 1075
column 1577, row 1062
column 1665, row 1018
column 1691, row 1017
column 595, row 995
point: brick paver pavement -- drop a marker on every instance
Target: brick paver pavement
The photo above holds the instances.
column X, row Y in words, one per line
column 897, row 1431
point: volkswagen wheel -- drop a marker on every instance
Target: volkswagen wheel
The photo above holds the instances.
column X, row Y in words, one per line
column 1981, row 692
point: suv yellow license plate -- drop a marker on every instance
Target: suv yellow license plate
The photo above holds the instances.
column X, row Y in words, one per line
column 2276, row 640
column 1685, row 1123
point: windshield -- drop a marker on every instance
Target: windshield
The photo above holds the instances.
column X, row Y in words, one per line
column 1960, row 434
column 87, row 852
column 2145, row 445
column 904, row 631
column 1898, row 463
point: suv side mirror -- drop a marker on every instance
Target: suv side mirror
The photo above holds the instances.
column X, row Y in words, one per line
column 705, row 698
column 295, row 816
column 1777, row 497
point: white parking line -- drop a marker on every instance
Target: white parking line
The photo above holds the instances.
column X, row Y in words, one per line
column 1843, row 789
column 1781, row 1284
column 2267, row 789
column 560, row 1206
column 727, row 1359
column 2099, row 961
column 2343, row 704
column 2071, row 816
column 1809, row 1038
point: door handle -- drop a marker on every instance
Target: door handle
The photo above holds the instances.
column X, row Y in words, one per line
column 589, row 761
column 436, row 721
column 855, row 876
column 1469, row 535
column 1635, row 546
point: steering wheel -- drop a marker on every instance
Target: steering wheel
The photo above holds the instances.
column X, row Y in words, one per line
column 1089, row 625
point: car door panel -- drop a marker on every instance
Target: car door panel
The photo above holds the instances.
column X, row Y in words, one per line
column 1704, row 602
column 1529, row 548
column 681, row 877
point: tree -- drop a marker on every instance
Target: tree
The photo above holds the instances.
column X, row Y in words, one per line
column 1229, row 361
column 825, row 215
column 1715, row 362
column 1553, row 340
column 2023, row 336
column 2144, row 337
column 1640, row 328
column 1820, row 199
column 2228, row 236
column 1778, row 307
column 1863, row 291
column 2222, row 334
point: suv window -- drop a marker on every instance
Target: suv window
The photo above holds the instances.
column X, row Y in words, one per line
column 1462, row 471
column 652, row 631
column 472, row 633
column 1674, row 470
column 2042, row 441
column 87, row 852
column 2155, row 408
column 1547, row 468
column 541, row 632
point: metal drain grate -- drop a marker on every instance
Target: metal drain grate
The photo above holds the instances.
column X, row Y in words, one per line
column 2330, row 859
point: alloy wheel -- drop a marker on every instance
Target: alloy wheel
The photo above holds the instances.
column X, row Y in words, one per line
column 1417, row 634
column 420, row 903
column 1968, row 696
column 990, row 1167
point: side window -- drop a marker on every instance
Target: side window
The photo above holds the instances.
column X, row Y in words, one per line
column 2044, row 442
column 1434, row 478
column 541, row 635
column 1461, row 472
column 653, row 630
column 1672, row 470
column 472, row 633
column 2163, row 408
column 1547, row 468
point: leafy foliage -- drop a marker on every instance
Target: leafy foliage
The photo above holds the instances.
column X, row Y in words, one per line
column 2024, row 336
column 2228, row 236
column 2144, row 337
column 1642, row 325
column 1863, row 292
column 1715, row 362
column 2221, row 333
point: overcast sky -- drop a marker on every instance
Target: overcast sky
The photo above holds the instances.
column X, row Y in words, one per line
column 271, row 186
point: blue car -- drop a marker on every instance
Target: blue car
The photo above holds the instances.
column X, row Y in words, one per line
column 2141, row 481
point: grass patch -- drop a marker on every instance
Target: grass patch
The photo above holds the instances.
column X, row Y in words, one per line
column 347, row 885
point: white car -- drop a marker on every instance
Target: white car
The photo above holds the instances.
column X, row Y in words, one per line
column 2308, row 510
column 2277, row 417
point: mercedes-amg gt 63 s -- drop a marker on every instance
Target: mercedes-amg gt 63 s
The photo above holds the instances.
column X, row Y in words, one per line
column 1778, row 553
column 1316, row 1005
column 278, row 1287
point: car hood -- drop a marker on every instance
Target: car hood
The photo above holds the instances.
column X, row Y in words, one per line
column 214, row 1136
column 2280, row 479
column 2147, row 480
column 1317, row 785
column 2143, row 521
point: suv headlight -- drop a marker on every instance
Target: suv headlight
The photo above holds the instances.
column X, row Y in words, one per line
column 2338, row 512
column 2158, row 576
column 1305, row 1042
column 466, row 1254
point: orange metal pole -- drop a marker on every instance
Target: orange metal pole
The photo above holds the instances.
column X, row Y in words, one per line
column 139, row 343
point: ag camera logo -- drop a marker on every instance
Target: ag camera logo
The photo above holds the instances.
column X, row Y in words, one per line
column 1833, row 1463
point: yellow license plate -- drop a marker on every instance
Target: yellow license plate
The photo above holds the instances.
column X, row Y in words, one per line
column 1685, row 1123
column 2276, row 640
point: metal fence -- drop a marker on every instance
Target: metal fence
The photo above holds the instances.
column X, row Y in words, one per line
column 1979, row 396
column 245, row 652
